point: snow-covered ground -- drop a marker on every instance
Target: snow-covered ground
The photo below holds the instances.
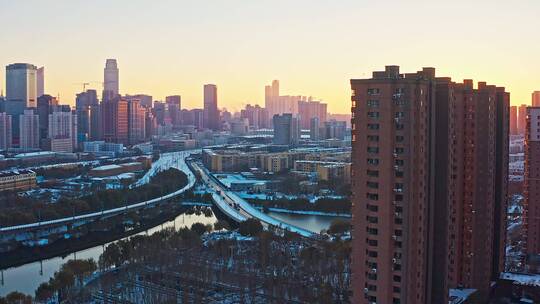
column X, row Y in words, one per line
column 167, row 160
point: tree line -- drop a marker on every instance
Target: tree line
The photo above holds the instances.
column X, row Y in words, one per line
column 18, row 210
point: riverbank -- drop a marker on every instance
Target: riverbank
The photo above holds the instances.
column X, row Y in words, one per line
column 24, row 255
column 305, row 212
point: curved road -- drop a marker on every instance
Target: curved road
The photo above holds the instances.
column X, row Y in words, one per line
column 239, row 209
column 173, row 159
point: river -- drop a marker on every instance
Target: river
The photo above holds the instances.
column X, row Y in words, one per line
column 26, row 278
column 314, row 223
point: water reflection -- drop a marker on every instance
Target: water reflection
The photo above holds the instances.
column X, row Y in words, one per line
column 28, row 277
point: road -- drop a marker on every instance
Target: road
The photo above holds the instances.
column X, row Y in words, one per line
column 174, row 159
column 239, row 209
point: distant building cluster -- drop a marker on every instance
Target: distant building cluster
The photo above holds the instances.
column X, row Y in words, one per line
column 327, row 163
column 31, row 120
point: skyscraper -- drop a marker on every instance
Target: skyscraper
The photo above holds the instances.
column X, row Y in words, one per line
column 532, row 183
column 136, row 122
column 45, row 106
column 309, row 109
column 174, row 103
column 29, row 131
column 114, row 116
column 86, row 99
column 62, row 131
column 314, row 128
column 536, row 99
column 21, row 83
column 211, row 112
column 40, row 75
column 257, row 116
column 430, row 168
column 5, row 131
column 110, row 80
column 286, row 129
column 522, row 119
column 513, row 120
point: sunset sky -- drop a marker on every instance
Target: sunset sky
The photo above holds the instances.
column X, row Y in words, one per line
column 312, row 46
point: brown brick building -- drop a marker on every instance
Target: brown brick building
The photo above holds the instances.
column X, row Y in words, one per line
column 429, row 186
column 532, row 182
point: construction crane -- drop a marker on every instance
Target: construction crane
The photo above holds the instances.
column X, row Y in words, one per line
column 84, row 84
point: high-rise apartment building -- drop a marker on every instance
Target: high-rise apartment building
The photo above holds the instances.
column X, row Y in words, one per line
column 145, row 100
column 29, row 131
column 522, row 119
column 211, row 112
column 136, row 122
column 429, row 186
column 111, row 80
column 532, row 182
column 45, row 106
column 86, row 106
column 513, row 120
column 277, row 104
column 286, row 129
column 333, row 129
column 174, row 105
column 536, row 99
column 309, row 109
column 5, row 131
column 314, row 128
column 40, row 81
column 21, row 83
column 257, row 116
column 114, row 118
column 62, row 131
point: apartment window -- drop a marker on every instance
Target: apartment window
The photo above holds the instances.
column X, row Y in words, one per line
column 373, row 173
column 399, row 173
column 372, row 243
column 398, row 197
column 400, row 114
column 372, row 185
column 397, row 278
column 396, row 301
column 398, row 221
column 373, row 138
column 373, row 115
column 373, row 231
column 400, row 126
column 373, row 150
column 373, row 91
column 372, row 208
column 373, row 103
column 372, row 196
column 372, row 287
column 373, row 126
column 399, row 150
column 399, row 162
column 372, row 161
column 372, row 254
column 399, row 91
column 400, row 138
column 372, row 219
column 396, row 289
column 373, row 277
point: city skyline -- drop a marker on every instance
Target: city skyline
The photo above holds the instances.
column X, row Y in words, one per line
column 232, row 50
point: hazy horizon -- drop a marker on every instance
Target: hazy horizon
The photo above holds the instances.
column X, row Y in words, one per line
column 312, row 47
